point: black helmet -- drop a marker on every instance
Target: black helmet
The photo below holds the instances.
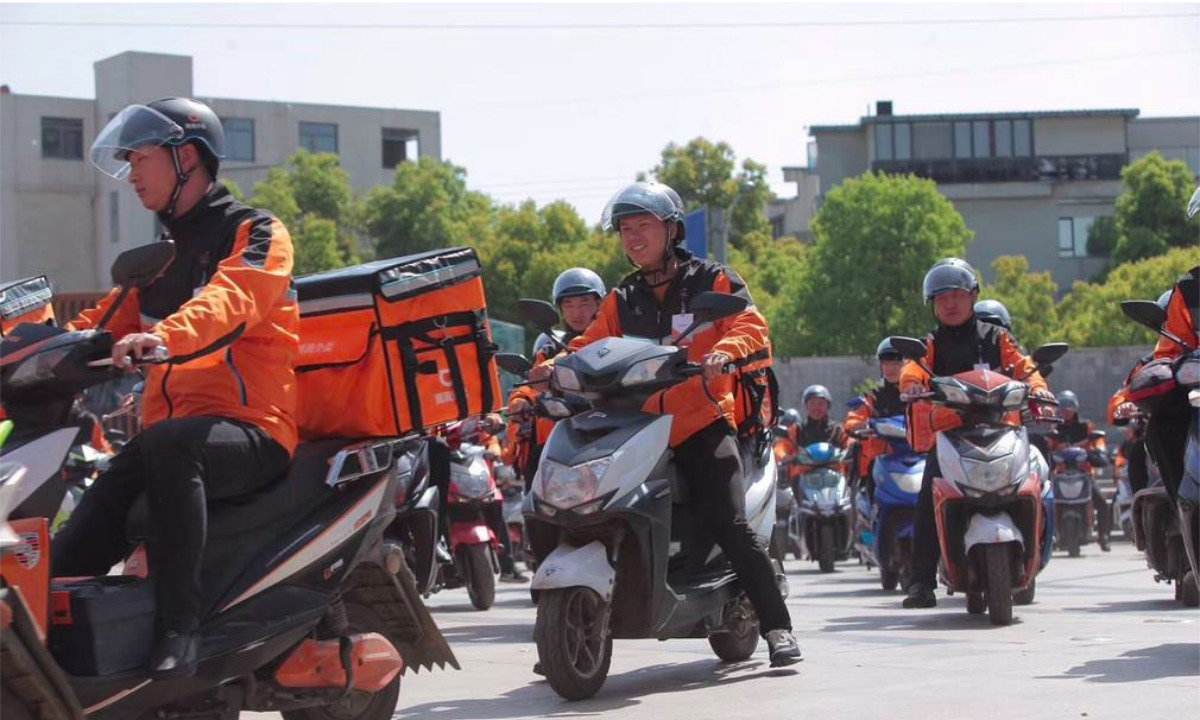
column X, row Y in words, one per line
column 949, row 274
column 813, row 391
column 885, row 350
column 172, row 122
column 994, row 312
column 578, row 281
column 1068, row 401
column 644, row 197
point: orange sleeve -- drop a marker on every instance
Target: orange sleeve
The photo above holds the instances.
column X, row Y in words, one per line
column 858, row 417
column 743, row 334
column 244, row 289
column 126, row 320
column 1099, row 443
column 605, row 324
column 1019, row 363
column 912, row 373
column 1179, row 324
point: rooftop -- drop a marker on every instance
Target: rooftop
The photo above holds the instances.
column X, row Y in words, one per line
column 949, row 117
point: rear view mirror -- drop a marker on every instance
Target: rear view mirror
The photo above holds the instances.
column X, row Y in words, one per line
column 909, row 348
column 1049, row 353
column 1194, row 205
column 140, row 266
column 538, row 313
column 514, row 363
column 710, row 306
column 1145, row 313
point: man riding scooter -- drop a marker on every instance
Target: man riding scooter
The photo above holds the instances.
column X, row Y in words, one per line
column 1075, row 430
column 221, row 424
column 960, row 343
column 883, row 401
column 651, row 303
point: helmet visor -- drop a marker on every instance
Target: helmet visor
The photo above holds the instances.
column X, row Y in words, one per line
column 134, row 127
column 944, row 278
column 636, row 199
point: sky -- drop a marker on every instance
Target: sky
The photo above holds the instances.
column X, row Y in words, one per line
column 571, row 101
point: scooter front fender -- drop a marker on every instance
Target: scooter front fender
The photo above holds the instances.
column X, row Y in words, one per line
column 568, row 566
column 985, row 530
column 470, row 534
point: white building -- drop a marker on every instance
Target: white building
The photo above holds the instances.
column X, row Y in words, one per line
column 61, row 217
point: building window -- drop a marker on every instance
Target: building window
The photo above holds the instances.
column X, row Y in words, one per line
column 398, row 146
column 893, row 141
column 981, row 139
column 239, row 139
column 1002, row 135
column 962, row 140
column 62, row 138
column 883, row 142
column 1022, row 138
column 319, row 137
column 1072, row 236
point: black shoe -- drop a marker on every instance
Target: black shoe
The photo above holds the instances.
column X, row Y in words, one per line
column 919, row 596
column 514, row 576
column 174, row 655
column 537, row 669
column 1104, row 545
column 784, row 648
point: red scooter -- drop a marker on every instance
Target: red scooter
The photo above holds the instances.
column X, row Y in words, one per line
column 472, row 559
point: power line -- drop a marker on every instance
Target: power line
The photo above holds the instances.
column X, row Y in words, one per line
column 525, row 27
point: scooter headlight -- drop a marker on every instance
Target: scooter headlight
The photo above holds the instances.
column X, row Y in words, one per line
column 955, row 395
column 566, row 379
column 1015, row 398
column 988, row 475
column 566, row 486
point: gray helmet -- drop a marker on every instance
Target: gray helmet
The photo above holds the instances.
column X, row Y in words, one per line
column 644, row 197
column 578, row 281
column 994, row 312
column 885, row 350
column 1068, row 401
column 813, row 391
column 1165, row 299
column 949, row 274
column 791, row 416
column 543, row 343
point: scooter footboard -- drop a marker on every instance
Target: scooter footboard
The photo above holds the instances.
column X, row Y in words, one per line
column 587, row 566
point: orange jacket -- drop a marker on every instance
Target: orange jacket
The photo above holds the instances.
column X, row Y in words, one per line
column 925, row 419
column 1180, row 321
column 1121, row 396
column 694, row 403
column 868, row 448
column 237, row 336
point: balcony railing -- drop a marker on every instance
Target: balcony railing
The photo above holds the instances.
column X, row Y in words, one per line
column 1019, row 169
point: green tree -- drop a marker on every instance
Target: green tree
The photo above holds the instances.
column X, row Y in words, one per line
column 706, row 174
column 427, row 206
column 307, row 189
column 875, row 236
column 1103, row 236
column 1091, row 313
column 1029, row 297
column 1152, row 210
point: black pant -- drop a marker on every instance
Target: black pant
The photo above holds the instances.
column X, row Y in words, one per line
column 926, row 551
column 181, row 465
column 1103, row 511
column 1135, row 464
column 710, row 462
column 1166, row 439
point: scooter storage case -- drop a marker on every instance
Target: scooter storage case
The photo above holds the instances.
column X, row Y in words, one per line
column 102, row 626
column 24, row 301
column 395, row 346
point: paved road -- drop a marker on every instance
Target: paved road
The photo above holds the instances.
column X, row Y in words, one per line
column 1102, row 641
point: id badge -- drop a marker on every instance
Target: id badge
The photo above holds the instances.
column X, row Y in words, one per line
column 680, row 323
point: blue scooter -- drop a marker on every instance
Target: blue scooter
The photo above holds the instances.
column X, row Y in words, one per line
column 897, row 476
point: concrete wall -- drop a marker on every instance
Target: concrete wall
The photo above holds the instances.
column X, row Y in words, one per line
column 1093, row 373
column 1079, row 135
column 1177, row 138
column 842, row 154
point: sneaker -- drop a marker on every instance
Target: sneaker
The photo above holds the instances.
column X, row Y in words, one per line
column 920, row 596
column 784, row 648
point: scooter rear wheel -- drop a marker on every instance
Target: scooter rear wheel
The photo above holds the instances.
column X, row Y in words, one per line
column 357, row 705
column 740, row 637
column 573, row 641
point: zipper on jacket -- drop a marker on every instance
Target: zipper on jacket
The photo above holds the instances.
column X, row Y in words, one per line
column 237, row 376
column 165, row 394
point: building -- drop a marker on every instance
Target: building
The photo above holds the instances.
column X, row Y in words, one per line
column 1028, row 183
column 61, row 217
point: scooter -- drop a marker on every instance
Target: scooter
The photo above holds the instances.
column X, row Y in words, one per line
column 301, row 617
column 897, row 475
column 624, row 557
column 988, row 501
column 1181, row 375
column 783, row 539
column 824, row 504
column 513, row 494
column 1074, row 514
column 472, row 560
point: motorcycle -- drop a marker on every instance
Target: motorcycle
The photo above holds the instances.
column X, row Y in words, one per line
column 897, row 475
column 1181, row 374
column 622, row 557
column 989, row 500
column 301, row 618
column 472, row 560
column 1074, row 514
column 823, row 507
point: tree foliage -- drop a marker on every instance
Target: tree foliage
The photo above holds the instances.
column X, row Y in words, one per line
column 1029, row 297
column 1152, row 210
column 875, row 237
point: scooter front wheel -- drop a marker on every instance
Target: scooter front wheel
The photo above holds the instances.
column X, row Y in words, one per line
column 478, row 575
column 573, row 642
column 739, row 638
column 999, row 584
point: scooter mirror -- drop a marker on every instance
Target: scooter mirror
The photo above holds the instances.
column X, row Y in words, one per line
column 1049, row 353
column 514, row 363
column 538, row 313
column 710, row 306
column 909, row 348
column 1194, row 205
column 1144, row 312
column 140, row 266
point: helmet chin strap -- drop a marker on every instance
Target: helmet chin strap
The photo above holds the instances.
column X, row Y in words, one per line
column 181, row 178
column 657, row 277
